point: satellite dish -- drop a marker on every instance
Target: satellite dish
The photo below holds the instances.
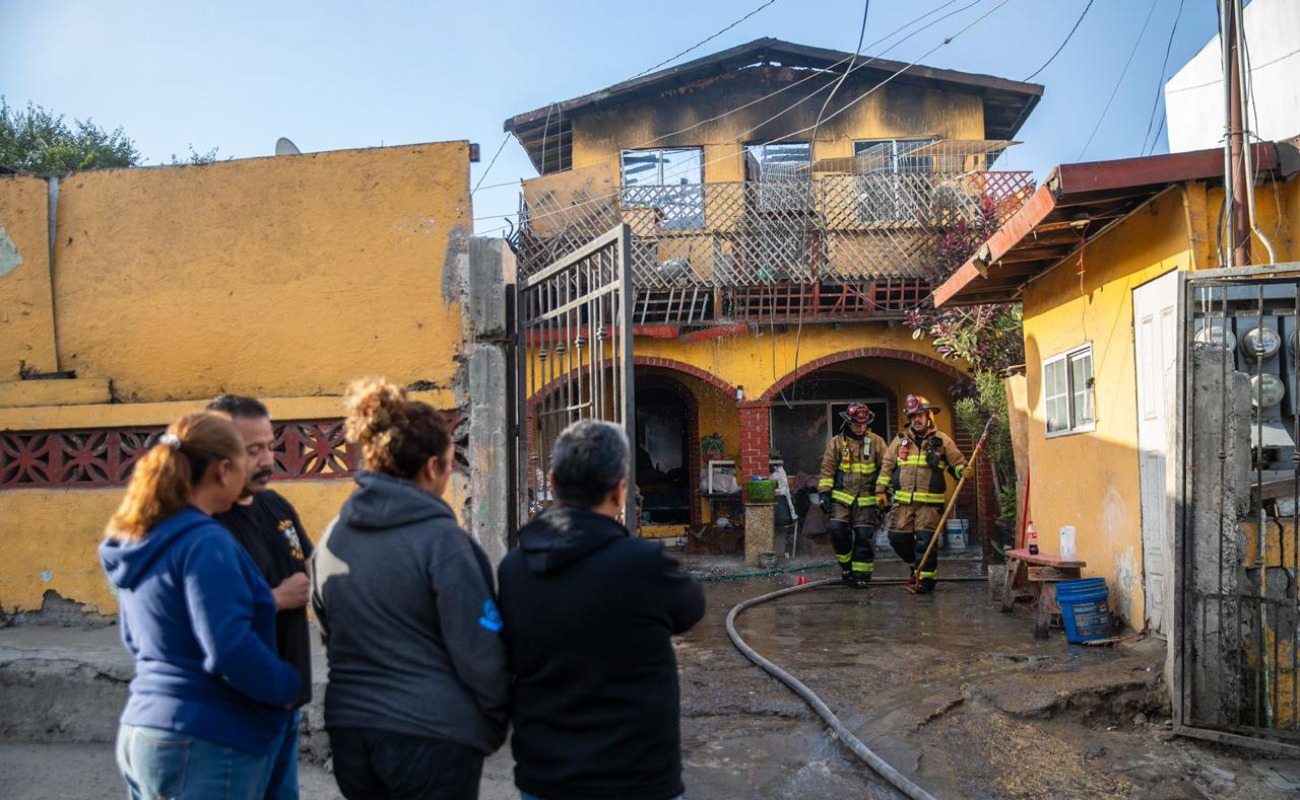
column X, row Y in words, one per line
column 284, row 147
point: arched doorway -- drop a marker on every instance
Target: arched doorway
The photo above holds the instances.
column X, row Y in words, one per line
column 666, row 453
column 806, row 415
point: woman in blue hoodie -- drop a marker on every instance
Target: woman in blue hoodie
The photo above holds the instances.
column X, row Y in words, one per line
column 210, row 696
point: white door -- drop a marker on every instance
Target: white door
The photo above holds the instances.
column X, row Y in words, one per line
column 1155, row 333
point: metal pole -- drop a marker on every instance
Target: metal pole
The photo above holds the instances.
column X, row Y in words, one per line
column 1237, row 174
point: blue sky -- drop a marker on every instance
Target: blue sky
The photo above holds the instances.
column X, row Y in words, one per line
column 331, row 74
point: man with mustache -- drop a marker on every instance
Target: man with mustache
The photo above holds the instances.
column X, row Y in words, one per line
column 268, row 528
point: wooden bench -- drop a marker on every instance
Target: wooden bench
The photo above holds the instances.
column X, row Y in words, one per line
column 1039, row 574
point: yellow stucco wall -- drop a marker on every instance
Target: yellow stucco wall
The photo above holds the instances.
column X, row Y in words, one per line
column 51, row 535
column 749, row 359
column 895, row 110
column 760, row 356
column 1090, row 480
column 26, row 314
column 282, row 276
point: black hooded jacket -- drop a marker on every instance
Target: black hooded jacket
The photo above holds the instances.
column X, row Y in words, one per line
column 589, row 614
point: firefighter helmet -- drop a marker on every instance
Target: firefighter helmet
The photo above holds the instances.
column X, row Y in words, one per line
column 917, row 404
column 858, row 414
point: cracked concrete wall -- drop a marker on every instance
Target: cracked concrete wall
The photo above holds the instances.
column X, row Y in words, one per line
column 487, row 397
column 1219, row 459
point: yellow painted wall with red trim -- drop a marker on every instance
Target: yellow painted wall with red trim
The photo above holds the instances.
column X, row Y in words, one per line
column 281, row 278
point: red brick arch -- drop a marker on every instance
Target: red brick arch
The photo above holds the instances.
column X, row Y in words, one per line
column 651, row 361
column 864, row 352
column 978, row 497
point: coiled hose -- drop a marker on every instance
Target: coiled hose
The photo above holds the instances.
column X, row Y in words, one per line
column 881, row 767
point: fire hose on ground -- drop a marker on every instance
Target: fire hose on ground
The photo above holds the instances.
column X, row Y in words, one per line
column 877, row 764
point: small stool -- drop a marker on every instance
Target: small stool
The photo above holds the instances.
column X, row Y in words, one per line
column 1037, row 576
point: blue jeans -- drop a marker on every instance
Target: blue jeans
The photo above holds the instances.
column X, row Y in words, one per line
column 161, row 765
column 283, row 783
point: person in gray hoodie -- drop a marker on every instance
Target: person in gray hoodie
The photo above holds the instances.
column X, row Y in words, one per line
column 418, row 683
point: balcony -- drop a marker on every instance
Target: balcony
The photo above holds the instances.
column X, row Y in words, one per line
column 850, row 238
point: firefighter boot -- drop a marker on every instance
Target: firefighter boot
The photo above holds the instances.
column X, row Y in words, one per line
column 864, row 555
column 842, row 542
column 930, row 567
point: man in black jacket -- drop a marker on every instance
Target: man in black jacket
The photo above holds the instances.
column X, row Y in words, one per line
column 267, row 526
column 589, row 614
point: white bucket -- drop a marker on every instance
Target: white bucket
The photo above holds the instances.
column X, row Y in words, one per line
column 956, row 531
column 1069, row 546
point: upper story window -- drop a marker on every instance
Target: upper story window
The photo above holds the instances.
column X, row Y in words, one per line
column 893, row 156
column 1067, row 392
column 780, row 172
column 888, row 187
column 668, row 179
column 777, row 161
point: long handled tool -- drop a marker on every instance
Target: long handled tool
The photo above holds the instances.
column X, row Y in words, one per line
column 913, row 584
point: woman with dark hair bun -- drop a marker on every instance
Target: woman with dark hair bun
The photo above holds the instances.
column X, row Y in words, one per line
column 210, row 696
column 418, row 685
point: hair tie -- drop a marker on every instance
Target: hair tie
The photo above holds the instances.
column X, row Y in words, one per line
column 171, row 440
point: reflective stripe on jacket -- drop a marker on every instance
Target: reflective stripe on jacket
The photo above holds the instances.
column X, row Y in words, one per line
column 849, row 469
column 915, row 468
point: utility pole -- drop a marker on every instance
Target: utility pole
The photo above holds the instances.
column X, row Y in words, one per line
column 1236, row 174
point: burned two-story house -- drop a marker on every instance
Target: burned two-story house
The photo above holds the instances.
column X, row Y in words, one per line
column 777, row 244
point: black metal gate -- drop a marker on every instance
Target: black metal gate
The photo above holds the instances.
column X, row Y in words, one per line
column 1237, row 607
column 573, row 358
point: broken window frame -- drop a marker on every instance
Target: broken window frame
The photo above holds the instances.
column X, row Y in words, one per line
column 779, row 186
column 884, row 180
column 674, row 191
column 1070, row 391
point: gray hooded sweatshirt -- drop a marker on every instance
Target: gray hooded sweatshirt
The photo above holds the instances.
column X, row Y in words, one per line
column 406, row 609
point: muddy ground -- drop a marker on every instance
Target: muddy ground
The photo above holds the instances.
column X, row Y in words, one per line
column 956, row 695
column 953, row 693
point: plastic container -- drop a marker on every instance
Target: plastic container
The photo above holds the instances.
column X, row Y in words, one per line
column 955, row 531
column 1084, row 609
column 762, row 491
column 1069, row 546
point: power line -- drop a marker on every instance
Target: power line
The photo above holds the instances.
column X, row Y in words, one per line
column 778, row 139
column 1220, row 80
column 1122, row 73
column 700, row 44
column 491, row 163
column 866, row 7
column 812, row 74
column 1160, row 82
column 1068, row 36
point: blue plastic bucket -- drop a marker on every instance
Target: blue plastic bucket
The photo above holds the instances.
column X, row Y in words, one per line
column 1084, row 609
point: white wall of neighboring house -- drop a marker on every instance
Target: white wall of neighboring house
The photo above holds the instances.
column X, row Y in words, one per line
column 1194, row 96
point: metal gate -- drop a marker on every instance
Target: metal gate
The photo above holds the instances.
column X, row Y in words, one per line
column 573, row 358
column 1237, row 608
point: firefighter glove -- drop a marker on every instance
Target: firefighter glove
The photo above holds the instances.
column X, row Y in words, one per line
column 826, row 503
column 882, row 500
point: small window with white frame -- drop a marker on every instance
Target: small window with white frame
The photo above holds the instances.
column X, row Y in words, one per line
column 1067, row 392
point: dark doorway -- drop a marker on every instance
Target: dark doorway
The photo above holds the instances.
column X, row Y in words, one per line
column 804, row 422
column 662, row 456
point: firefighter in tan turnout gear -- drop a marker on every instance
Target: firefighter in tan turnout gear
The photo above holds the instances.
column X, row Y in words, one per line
column 848, row 496
column 913, row 470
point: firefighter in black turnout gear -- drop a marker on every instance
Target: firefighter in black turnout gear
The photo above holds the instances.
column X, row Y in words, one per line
column 847, row 488
column 913, row 469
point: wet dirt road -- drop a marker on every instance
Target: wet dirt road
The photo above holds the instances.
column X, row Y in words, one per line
column 954, row 694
